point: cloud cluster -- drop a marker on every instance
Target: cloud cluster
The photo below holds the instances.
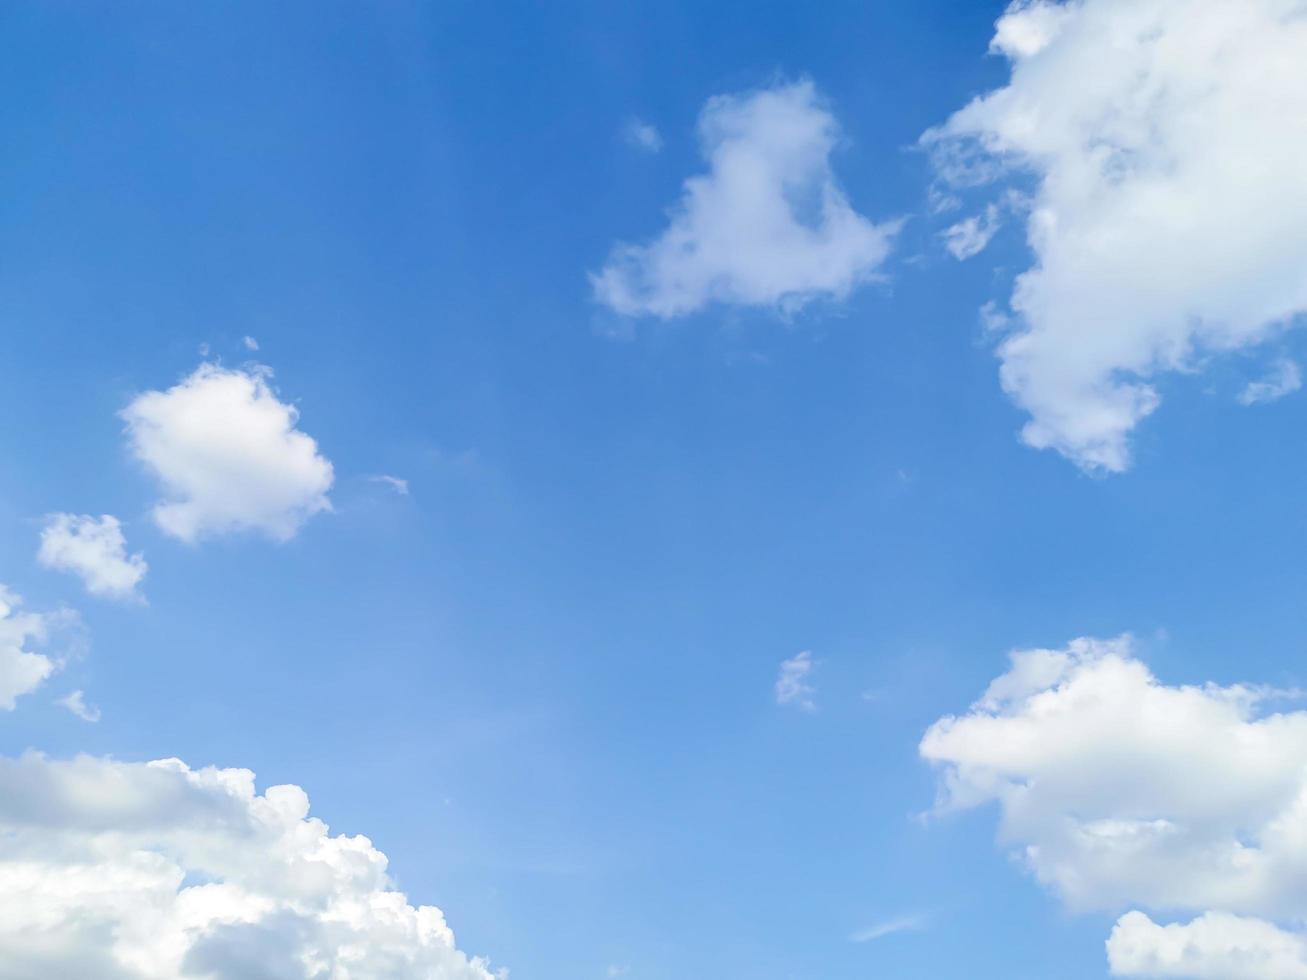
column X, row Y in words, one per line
column 229, row 456
column 128, row 871
column 21, row 670
column 768, row 225
column 1119, row 792
column 95, row 551
column 1169, row 214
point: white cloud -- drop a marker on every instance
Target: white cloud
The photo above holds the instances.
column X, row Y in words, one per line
column 228, row 455
column 1119, row 792
column 903, row 923
column 400, row 486
column 1284, row 379
column 768, row 225
column 129, row 871
column 95, row 551
column 643, row 136
column 21, row 670
column 1214, row 946
column 250, row 343
column 1169, row 219
column 76, row 703
column 792, row 685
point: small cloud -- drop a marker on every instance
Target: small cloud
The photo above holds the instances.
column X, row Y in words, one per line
column 229, row 455
column 792, row 685
column 93, row 550
column 250, row 343
column 766, row 225
column 22, row 670
column 618, row 971
column 1284, row 378
column 993, row 319
column 941, row 202
column 902, row 923
column 969, row 236
column 76, row 703
column 395, row 483
column 643, row 136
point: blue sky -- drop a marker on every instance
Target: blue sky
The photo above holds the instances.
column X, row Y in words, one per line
column 542, row 679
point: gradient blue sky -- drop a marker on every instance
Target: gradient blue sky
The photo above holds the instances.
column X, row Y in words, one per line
column 542, row 682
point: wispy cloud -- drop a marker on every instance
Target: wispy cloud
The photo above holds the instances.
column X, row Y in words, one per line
column 643, row 136
column 1283, row 379
column 902, row 923
column 76, row 703
column 792, row 685
column 969, row 236
column 400, row 486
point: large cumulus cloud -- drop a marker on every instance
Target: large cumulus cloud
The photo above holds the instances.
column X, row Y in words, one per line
column 155, row 871
column 1124, row 794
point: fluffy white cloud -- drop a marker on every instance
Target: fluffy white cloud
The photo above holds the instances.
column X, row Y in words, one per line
column 792, row 685
column 768, row 225
column 1116, row 791
column 1214, row 946
column 228, row 454
column 94, row 550
column 21, row 670
column 129, row 871
column 1169, row 217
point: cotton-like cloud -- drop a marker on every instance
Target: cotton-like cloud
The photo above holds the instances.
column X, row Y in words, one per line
column 767, row 226
column 129, row 871
column 229, row 456
column 792, row 686
column 21, row 670
column 95, row 551
column 1169, row 214
column 1119, row 792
